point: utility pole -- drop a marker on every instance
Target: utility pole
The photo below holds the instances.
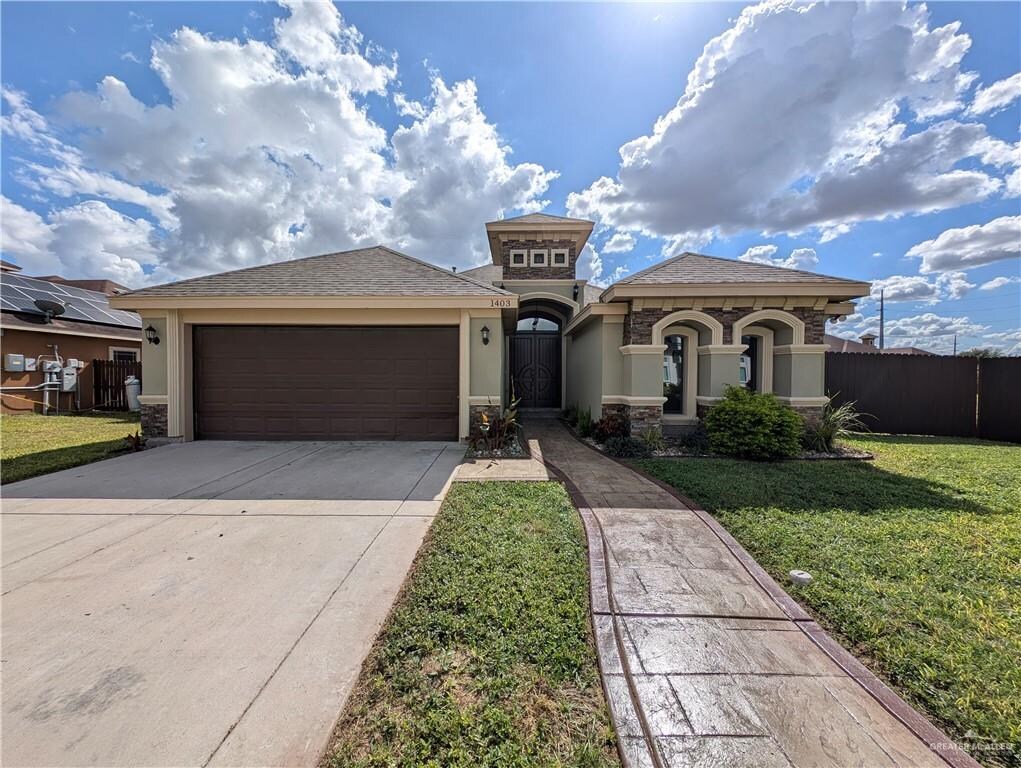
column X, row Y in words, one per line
column 882, row 317
column 955, row 345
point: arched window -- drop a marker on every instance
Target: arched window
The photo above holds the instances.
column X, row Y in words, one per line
column 674, row 374
column 537, row 324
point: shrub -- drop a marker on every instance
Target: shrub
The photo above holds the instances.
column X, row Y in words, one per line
column 653, row 438
column 696, row 441
column 585, row 423
column 753, row 425
column 628, row 447
column 571, row 415
column 835, row 422
column 611, row 425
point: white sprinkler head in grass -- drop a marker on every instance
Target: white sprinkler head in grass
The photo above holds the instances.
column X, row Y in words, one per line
column 801, row 578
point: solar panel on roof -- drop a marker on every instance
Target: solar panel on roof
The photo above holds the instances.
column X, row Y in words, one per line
column 18, row 294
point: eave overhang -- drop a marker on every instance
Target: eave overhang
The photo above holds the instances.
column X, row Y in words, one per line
column 137, row 303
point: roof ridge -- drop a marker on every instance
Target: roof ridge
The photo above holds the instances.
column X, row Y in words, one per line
column 552, row 216
column 654, row 267
column 378, row 246
column 252, row 268
column 447, row 272
column 727, row 260
column 772, row 266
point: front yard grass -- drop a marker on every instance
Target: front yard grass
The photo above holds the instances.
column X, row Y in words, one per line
column 487, row 658
column 32, row 445
column 916, row 559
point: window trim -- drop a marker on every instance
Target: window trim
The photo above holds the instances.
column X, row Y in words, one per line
column 557, row 253
column 523, row 253
column 133, row 350
column 544, row 252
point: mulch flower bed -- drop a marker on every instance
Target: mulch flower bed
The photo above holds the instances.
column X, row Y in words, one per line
column 514, row 449
column 674, row 450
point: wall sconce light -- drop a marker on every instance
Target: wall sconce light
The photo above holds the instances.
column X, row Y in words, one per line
column 485, row 334
column 151, row 336
column 575, row 292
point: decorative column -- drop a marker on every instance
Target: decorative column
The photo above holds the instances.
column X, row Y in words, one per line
column 643, row 381
column 799, row 378
column 718, row 368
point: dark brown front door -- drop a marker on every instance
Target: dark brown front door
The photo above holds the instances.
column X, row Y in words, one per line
column 325, row 383
column 535, row 366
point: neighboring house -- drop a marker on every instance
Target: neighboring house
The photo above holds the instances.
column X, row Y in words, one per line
column 867, row 345
column 88, row 329
column 373, row 344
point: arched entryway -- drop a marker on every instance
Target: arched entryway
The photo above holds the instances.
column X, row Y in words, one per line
column 536, row 354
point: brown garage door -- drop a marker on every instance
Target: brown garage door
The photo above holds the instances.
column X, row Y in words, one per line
column 316, row 383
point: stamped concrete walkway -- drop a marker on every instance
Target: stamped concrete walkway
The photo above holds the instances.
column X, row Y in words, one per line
column 702, row 665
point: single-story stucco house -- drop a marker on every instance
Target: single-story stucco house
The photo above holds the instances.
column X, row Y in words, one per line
column 373, row 344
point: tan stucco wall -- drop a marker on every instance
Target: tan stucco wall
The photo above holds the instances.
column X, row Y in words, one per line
column 154, row 358
column 799, row 375
column 643, row 374
column 613, row 360
column 486, row 360
column 717, row 371
column 584, row 368
column 566, row 290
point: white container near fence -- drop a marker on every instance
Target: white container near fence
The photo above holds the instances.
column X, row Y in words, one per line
column 132, row 389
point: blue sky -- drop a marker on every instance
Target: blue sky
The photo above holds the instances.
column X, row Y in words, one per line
column 155, row 141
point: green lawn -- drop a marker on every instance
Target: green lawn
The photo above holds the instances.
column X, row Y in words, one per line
column 33, row 445
column 487, row 659
column 917, row 564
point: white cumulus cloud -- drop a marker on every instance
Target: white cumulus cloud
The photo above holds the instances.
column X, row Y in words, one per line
column 797, row 117
column 999, row 282
column 965, row 247
column 799, row 258
column 621, row 242
column 268, row 150
column 997, row 95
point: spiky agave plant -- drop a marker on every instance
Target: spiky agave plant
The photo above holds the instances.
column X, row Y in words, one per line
column 836, row 422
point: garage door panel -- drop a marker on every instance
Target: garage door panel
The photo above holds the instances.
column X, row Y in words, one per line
column 270, row 382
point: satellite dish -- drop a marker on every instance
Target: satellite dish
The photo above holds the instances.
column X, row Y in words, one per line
column 50, row 308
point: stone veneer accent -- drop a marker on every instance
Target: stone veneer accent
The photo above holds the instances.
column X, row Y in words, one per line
column 812, row 414
column 643, row 417
column 475, row 417
column 638, row 417
column 638, row 323
column 538, row 273
column 154, row 421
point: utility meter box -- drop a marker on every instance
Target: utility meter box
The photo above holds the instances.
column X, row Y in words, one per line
column 14, row 363
column 30, row 364
column 69, row 380
column 51, row 366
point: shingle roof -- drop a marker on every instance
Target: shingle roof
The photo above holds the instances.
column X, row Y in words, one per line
column 697, row 268
column 376, row 271
column 540, row 218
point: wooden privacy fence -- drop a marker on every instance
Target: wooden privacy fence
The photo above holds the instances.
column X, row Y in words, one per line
column 108, row 383
column 930, row 394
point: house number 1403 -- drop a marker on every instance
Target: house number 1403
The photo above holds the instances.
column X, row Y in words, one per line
column 500, row 302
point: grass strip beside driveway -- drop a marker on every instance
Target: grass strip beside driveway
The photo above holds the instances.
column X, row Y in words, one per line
column 916, row 559
column 487, row 658
column 32, row 445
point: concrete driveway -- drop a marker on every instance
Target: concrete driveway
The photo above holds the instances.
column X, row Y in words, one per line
column 203, row 604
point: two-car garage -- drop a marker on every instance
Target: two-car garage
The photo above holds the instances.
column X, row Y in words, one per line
column 265, row 382
column 368, row 344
